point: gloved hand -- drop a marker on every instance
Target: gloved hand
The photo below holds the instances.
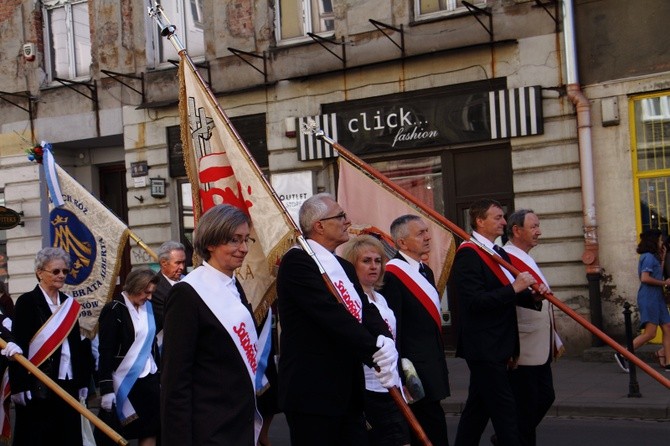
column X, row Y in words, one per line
column 11, row 350
column 22, row 398
column 387, row 355
column 388, row 377
column 83, row 393
column 7, row 323
column 107, row 400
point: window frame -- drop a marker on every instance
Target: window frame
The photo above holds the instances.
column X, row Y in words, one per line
column 307, row 25
column 50, row 68
column 456, row 11
column 156, row 43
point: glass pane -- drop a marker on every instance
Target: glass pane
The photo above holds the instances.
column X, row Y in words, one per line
column 82, row 39
column 194, row 33
column 291, row 13
column 654, row 202
column 323, row 18
column 652, row 133
column 166, row 48
column 58, row 40
column 421, row 177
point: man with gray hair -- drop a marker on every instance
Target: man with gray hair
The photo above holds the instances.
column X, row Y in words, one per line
column 323, row 343
column 172, row 261
column 532, row 382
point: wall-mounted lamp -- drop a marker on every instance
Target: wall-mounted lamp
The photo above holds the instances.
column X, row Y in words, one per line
column 290, row 127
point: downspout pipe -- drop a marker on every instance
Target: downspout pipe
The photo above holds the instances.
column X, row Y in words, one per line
column 583, row 109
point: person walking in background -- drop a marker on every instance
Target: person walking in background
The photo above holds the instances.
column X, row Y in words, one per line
column 324, row 343
column 47, row 317
column 409, row 288
column 209, row 344
column 532, row 381
column 488, row 334
column 172, row 261
column 650, row 301
column 387, row 425
column 129, row 358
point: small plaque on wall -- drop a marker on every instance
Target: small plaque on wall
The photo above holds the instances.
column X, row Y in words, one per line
column 158, row 187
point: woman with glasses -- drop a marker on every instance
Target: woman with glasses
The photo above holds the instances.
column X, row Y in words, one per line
column 129, row 358
column 209, row 344
column 45, row 327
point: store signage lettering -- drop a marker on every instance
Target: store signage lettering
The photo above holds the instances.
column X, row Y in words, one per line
column 9, row 218
column 408, row 129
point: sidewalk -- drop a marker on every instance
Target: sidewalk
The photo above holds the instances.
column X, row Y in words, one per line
column 584, row 389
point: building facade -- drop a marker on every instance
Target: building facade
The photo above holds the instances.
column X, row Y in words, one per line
column 454, row 101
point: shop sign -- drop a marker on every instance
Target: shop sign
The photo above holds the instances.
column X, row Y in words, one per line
column 9, row 218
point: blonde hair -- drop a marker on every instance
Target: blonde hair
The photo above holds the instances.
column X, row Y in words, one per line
column 351, row 251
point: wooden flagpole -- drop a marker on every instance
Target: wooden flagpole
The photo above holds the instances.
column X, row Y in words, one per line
column 455, row 229
column 168, row 30
column 58, row 390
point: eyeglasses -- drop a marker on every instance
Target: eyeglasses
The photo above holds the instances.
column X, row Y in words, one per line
column 57, row 271
column 237, row 241
column 340, row 216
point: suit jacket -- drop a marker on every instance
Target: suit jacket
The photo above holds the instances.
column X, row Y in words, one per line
column 206, row 395
column 158, row 300
column 116, row 334
column 322, row 345
column 31, row 312
column 487, row 310
column 418, row 337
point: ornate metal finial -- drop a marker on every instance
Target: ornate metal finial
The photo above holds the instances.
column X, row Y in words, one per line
column 310, row 127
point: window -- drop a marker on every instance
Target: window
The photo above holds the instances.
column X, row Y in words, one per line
column 187, row 16
column 426, row 9
column 296, row 18
column 651, row 159
column 67, row 39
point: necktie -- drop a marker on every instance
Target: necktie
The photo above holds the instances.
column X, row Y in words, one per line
column 501, row 252
column 422, row 270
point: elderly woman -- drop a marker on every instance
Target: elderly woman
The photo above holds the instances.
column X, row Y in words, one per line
column 388, row 427
column 129, row 358
column 45, row 325
column 209, row 344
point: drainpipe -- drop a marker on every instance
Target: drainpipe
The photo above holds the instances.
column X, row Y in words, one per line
column 583, row 108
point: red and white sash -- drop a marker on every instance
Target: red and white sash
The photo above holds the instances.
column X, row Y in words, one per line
column 213, row 288
column 501, row 273
column 54, row 331
column 420, row 287
column 345, row 288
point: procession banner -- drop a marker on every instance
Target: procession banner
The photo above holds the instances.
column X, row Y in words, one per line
column 221, row 171
column 370, row 205
column 94, row 237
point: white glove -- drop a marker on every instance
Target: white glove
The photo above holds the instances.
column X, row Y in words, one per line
column 83, row 393
column 107, row 400
column 11, row 350
column 387, row 356
column 22, row 398
column 7, row 323
column 388, row 377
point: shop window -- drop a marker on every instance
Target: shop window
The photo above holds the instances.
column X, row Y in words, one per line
column 426, row 9
column 187, row 16
column 296, row 18
column 67, row 39
column 651, row 159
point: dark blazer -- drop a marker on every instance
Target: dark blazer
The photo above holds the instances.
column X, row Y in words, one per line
column 487, row 310
column 418, row 338
column 116, row 335
column 31, row 313
column 206, row 396
column 158, row 300
column 322, row 346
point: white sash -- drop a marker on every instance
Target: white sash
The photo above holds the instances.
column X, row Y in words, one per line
column 486, row 242
column 420, row 280
column 126, row 374
column 211, row 285
column 346, row 289
column 525, row 258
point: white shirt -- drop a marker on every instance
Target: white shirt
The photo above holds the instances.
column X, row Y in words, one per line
column 140, row 319
column 65, row 368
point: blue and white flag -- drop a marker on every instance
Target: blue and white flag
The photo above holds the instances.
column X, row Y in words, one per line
column 264, row 347
column 51, row 176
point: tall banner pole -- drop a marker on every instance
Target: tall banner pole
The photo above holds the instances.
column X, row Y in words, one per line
column 168, row 31
column 311, row 128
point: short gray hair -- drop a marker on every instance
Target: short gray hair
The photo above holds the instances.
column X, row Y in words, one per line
column 399, row 226
column 166, row 249
column 518, row 218
column 217, row 226
column 49, row 254
column 138, row 280
column 313, row 210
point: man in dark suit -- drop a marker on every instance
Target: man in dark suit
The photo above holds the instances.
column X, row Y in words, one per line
column 324, row 343
column 488, row 337
column 172, row 261
column 409, row 289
